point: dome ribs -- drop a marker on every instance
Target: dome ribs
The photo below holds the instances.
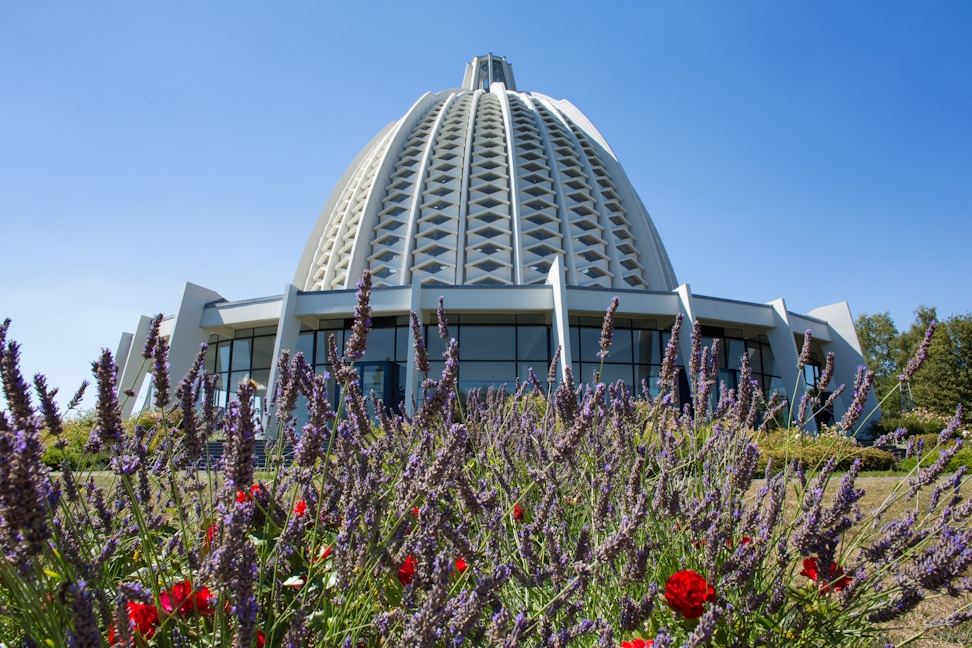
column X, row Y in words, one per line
column 335, row 250
column 389, row 243
column 632, row 272
column 591, row 255
column 540, row 236
column 486, row 186
column 488, row 244
column 437, row 237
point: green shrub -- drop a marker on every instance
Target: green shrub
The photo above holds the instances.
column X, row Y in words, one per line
column 962, row 458
column 788, row 445
column 917, row 422
column 76, row 433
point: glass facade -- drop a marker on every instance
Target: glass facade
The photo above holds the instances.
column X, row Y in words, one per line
column 383, row 367
column 639, row 345
column 493, row 349
column 248, row 354
column 636, row 351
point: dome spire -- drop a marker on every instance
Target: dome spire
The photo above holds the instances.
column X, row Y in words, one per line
column 485, row 70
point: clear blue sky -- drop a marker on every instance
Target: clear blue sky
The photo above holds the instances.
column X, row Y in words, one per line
column 818, row 152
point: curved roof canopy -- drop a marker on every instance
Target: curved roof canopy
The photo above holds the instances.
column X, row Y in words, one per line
column 486, row 185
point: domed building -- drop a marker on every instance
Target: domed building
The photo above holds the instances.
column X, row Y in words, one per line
column 511, row 206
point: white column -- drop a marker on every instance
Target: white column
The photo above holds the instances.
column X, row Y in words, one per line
column 847, row 349
column 785, row 356
column 687, row 307
column 412, row 375
column 131, row 369
column 288, row 330
column 561, row 330
column 187, row 334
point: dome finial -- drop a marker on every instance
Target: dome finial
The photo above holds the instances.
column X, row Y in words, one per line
column 484, row 70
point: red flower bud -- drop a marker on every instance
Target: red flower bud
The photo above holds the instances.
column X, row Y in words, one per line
column 407, row 571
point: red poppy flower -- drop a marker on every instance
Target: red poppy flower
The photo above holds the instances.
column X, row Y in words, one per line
column 836, row 581
column 182, row 600
column 415, row 512
column 242, row 497
column 686, row 591
column 144, row 617
column 261, row 640
column 518, row 512
column 300, row 508
column 461, row 565
column 211, row 534
column 407, row 571
column 637, row 642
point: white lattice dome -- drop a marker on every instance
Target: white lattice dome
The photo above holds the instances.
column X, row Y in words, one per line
column 486, row 185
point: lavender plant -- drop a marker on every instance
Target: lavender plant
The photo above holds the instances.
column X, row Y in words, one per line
column 572, row 515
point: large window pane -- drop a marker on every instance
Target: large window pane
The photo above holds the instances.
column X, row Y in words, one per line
column 435, row 369
column 305, row 345
column 755, row 357
column 223, row 357
column 435, row 344
column 402, row 374
column 484, row 374
column 587, row 370
column 263, row 352
column 531, row 343
column 261, row 377
column 381, row 344
column 734, row 353
column 241, row 355
column 769, row 362
column 650, row 375
column 487, row 343
column 539, row 369
column 620, row 350
column 210, row 365
column 645, row 349
column 590, row 344
column 612, row 373
column 730, row 377
column 234, row 381
column 403, row 344
column 322, row 341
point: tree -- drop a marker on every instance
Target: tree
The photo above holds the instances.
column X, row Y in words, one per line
column 945, row 379
column 909, row 341
column 879, row 340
